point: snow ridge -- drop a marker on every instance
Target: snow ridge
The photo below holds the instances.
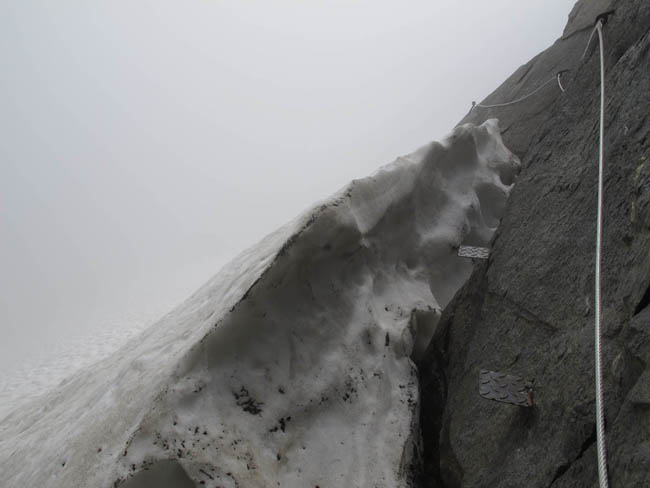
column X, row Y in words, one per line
column 294, row 365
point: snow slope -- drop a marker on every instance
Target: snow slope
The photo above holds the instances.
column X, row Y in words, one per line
column 33, row 376
column 293, row 365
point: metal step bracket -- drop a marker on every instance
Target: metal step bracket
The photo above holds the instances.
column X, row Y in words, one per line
column 474, row 252
column 505, row 388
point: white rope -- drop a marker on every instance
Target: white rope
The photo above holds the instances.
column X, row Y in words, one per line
column 589, row 41
column 600, row 415
column 474, row 104
column 559, row 82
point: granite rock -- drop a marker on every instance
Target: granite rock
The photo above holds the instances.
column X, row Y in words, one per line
column 529, row 310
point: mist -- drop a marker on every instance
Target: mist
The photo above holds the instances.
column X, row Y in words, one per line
column 144, row 144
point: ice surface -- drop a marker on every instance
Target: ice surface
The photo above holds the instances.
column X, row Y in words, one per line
column 293, row 365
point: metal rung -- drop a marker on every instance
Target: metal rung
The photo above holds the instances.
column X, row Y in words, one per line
column 474, row 252
column 505, row 388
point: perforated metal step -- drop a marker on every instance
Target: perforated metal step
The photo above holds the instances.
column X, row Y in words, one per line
column 505, row 388
column 473, row 252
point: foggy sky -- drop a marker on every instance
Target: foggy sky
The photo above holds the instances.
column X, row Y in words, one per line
column 145, row 143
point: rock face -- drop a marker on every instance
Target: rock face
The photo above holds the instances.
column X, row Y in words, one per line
column 529, row 310
column 294, row 366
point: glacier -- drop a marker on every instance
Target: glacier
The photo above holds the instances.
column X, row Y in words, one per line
column 294, row 365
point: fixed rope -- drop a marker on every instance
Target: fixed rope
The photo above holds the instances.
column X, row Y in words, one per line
column 600, row 414
column 601, row 20
column 555, row 77
column 559, row 82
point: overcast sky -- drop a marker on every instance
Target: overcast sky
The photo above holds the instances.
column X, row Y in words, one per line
column 145, row 143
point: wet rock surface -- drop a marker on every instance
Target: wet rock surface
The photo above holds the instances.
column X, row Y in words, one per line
column 528, row 311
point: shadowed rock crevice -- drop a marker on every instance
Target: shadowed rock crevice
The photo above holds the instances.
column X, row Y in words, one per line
column 440, row 467
column 645, row 301
column 433, row 398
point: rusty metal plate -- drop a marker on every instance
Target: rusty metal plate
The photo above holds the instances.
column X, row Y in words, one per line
column 473, row 252
column 505, row 388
